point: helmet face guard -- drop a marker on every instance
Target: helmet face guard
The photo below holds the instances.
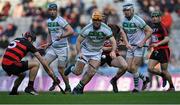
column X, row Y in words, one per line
column 31, row 35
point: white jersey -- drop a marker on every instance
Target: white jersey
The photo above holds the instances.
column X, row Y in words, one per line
column 56, row 28
column 134, row 29
column 94, row 39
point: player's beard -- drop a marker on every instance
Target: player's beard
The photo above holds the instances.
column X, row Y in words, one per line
column 53, row 16
column 129, row 17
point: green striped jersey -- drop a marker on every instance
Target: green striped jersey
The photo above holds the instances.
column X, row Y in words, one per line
column 56, row 28
column 94, row 39
column 134, row 29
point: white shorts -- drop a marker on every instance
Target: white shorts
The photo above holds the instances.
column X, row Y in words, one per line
column 87, row 55
column 60, row 53
column 136, row 52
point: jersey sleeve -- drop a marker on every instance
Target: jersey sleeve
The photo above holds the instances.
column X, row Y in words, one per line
column 31, row 48
column 107, row 31
column 140, row 22
column 84, row 31
column 62, row 22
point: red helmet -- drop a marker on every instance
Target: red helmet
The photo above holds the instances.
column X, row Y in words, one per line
column 30, row 34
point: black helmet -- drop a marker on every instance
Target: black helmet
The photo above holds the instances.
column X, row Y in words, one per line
column 156, row 13
column 30, row 34
column 52, row 6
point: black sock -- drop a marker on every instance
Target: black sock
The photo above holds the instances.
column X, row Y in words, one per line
column 31, row 84
column 67, row 85
column 171, row 86
column 15, row 89
column 80, row 85
column 162, row 75
column 114, row 78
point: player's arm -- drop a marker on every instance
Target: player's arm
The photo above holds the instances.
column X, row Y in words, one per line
column 46, row 67
column 124, row 37
column 68, row 32
column 164, row 41
column 78, row 43
column 146, row 28
column 114, row 47
column 166, row 37
column 148, row 32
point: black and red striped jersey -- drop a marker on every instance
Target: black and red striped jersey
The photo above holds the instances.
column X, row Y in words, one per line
column 16, row 50
column 159, row 33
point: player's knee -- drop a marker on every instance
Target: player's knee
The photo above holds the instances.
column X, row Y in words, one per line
column 36, row 64
column 91, row 72
column 124, row 67
column 47, row 62
column 78, row 72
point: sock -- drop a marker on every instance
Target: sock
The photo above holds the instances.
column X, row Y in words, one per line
column 15, row 89
column 31, row 84
column 162, row 75
column 67, row 85
column 136, row 80
column 72, row 69
column 80, row 85
column 143, row 77
column 171, row 86
column 114, row 78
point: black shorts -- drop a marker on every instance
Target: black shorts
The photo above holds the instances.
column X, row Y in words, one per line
column 161, row 55
column 107, row 60
column 16, row 68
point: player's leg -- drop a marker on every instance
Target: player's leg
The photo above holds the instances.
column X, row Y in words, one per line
column 120, row 63
column 129, row 60
column 50, row 57
column 137, row 61
column 87, row 76
column 62, row 62
column 150, row 77
column 18, row 69
column 65, row 78
column 33, row 67
column 17, row 83
column 167, row 76
column 151, row 64
column 157, row 68
column 76, row 69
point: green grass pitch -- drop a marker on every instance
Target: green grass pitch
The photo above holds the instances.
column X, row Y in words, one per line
column 93, row 98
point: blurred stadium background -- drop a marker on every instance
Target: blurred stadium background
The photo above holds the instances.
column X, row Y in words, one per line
column 19, row 16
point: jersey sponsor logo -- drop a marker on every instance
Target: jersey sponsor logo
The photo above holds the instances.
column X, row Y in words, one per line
column 130, row 28
column 96, row 36
column 53, row 24
column 53, row 27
